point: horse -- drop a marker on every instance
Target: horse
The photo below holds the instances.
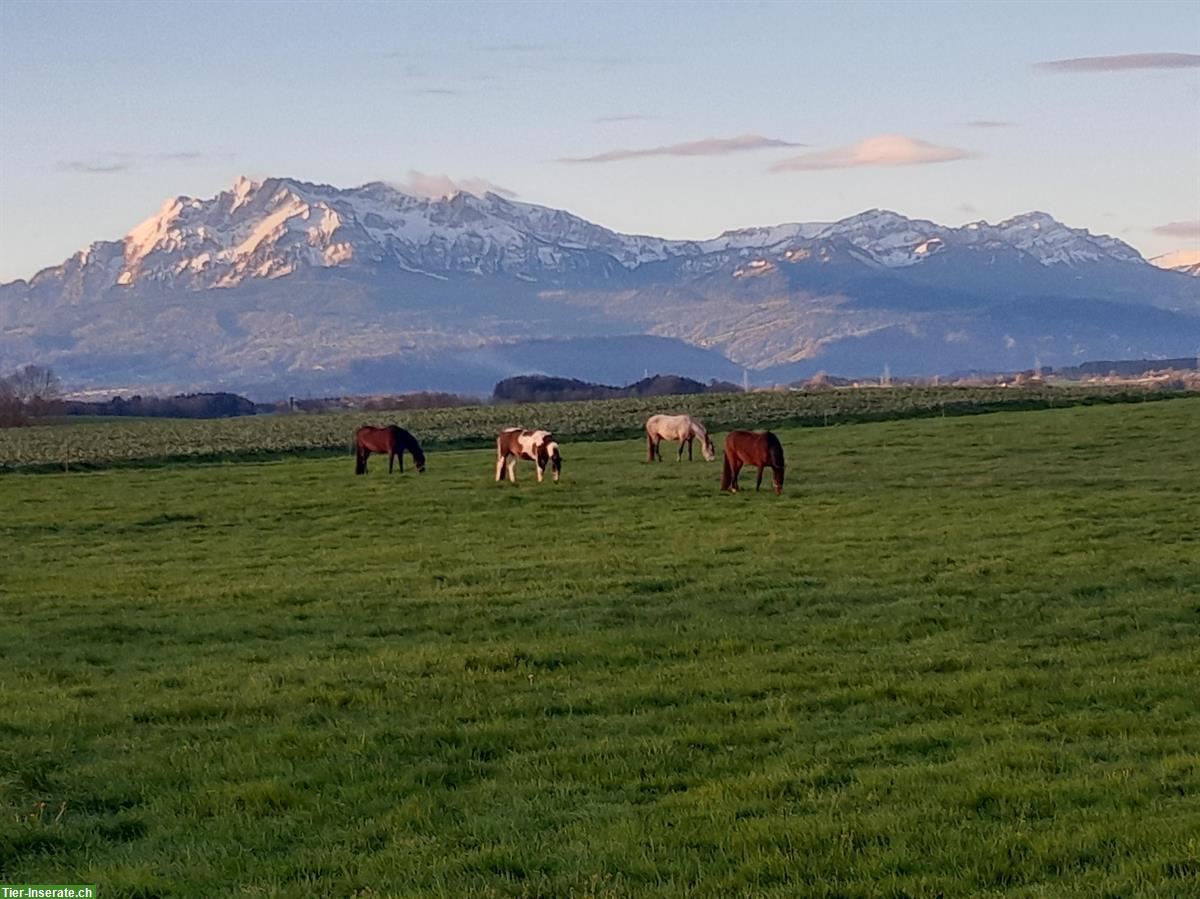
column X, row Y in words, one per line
column 539, row 446
column 683, row 428
column 392, row 440
column 759, row 448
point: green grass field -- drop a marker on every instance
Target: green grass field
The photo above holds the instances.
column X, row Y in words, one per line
column 115, row 442
column 958, row 656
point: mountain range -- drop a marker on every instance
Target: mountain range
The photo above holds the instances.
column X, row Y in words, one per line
column 280, row 286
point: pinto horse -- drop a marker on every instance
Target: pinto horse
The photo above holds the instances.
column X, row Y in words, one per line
column 759, row 448
column 538, row 446
column 392, row 440
column 683, row 428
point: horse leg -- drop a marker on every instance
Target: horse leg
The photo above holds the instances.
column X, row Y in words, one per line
column 499, row 469
column 400, row 457
column 737, row 467
column 690, row 441
column 391, row 460
column 758, row 483
column 360, row 464
column 512, row 469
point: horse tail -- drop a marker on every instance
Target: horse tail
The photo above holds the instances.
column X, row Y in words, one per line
column 727, row 471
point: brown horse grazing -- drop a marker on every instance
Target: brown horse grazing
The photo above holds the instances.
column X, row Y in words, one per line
column 683, row 428
column 538, row 446
column 759, row 448
column 392, row 440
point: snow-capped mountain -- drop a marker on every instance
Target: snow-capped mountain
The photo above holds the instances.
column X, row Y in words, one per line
column 304, row 282
column 273, row 228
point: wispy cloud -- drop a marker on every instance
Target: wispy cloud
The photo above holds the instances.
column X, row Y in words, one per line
column 1188, row 230
column 881, row 150
column 434, row 92
column 430, row 186
column 513, row 48
column 987, row 123
column 86, row 167
column 1122, row 63
column 187, row 156
column 604, row 62
column 117, row 163
column 711, row 146
column 631, row 117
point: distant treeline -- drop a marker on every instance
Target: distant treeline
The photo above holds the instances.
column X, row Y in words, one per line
column 425, row 399
column 189, row 405
column 1128, row 368
column 542, row 389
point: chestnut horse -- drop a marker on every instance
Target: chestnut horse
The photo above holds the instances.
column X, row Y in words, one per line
column 759, row 448
column 683, row 428
column 538, row 446
column 392, row 440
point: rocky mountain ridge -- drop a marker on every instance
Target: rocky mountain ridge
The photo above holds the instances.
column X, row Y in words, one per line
column 281, row 282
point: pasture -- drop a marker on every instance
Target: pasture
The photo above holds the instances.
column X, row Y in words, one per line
column 958, row 656
column 116, row 442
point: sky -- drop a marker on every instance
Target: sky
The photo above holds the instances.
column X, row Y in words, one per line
column 680, row 120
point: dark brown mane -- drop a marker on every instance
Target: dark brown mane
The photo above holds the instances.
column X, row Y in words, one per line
column 758, row 448
column 390, row 439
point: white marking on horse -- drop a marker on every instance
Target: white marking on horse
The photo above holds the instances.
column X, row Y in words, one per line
column 537, row 446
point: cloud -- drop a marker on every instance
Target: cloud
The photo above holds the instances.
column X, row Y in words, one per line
column 882, row 150
column 116, row 163
column 1122, row 63
column 987, row 123
column 631, row 117
column 434, row 92
column 711, row 146
column 512, row 48
column 188, row 156
column 1189, row 230
column 91, row 167
column 433, row 187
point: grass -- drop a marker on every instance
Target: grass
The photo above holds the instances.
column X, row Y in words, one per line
column 119, row 442
column 957, row 657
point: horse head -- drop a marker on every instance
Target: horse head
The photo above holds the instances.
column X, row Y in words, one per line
column 708, row 450
column 555, row 458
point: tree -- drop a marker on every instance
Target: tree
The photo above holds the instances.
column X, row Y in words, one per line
column 36, row 387
column 10, row 406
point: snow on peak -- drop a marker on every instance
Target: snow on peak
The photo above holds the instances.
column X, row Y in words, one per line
column 242, row 188
column 1053, row 243
column 762, row 237
column 268, row 228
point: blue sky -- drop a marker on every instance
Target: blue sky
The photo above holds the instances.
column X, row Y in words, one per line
column 738, row 114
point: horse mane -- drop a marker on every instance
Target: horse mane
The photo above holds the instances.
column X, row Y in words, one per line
column 406, row 440
column 774, row 450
